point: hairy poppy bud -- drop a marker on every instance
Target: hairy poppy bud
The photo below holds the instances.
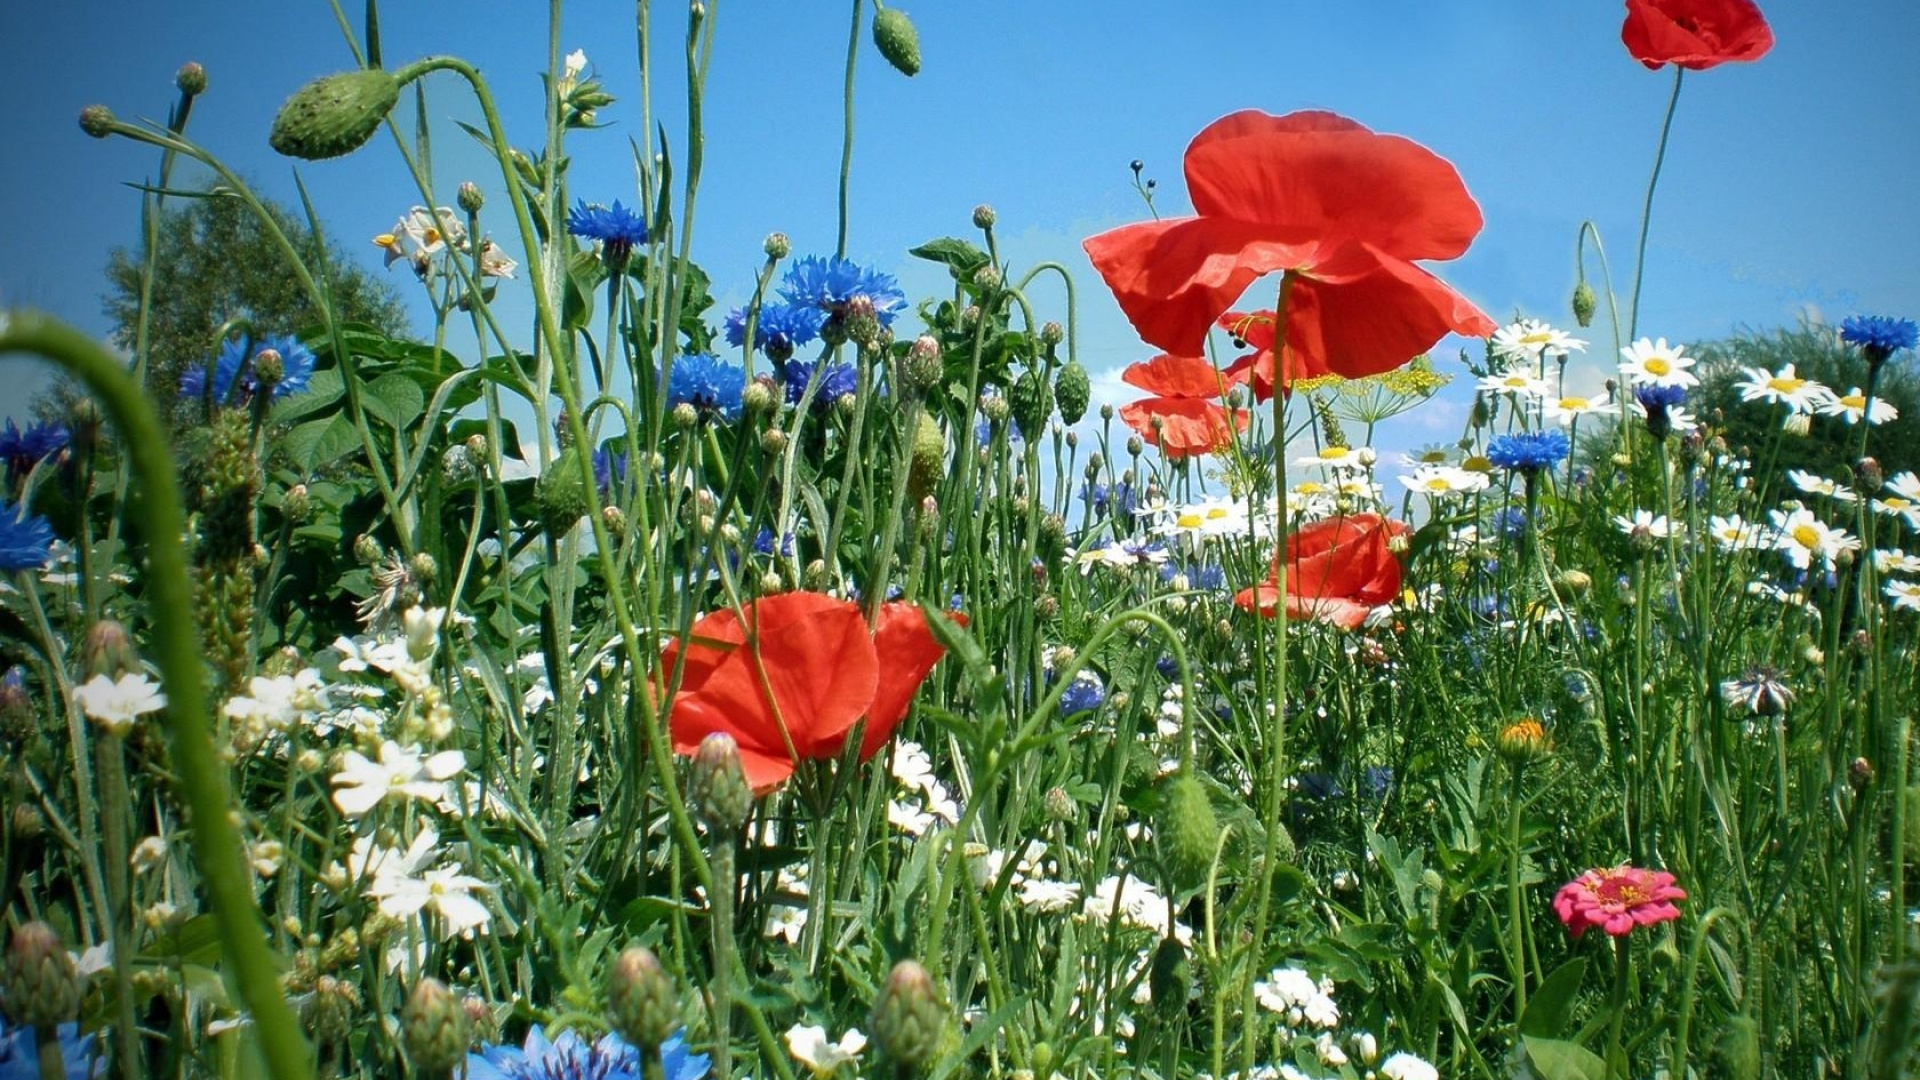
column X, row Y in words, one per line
column 1583, row 303
column 561, row 494
column 191, row 79
column 641, row 1003
column 1170, row 979
column 897, row 40
column 42, row 989
column 908, row 1017
column 334, row 115
column 1189, row 833
column 719, row 790
column 1030, row 400
column 1736, row 1053
column 929, row 461
column 1072, row 388
column 433, row 1028
column 97, row 121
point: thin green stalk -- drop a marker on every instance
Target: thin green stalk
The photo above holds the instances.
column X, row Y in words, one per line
column 846, row 138
column 202, row 780
column 1646, row 208
column 1516, row 912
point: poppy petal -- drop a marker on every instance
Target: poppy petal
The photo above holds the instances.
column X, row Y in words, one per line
column 1177, row 376
column 1174, row 278
column 1361, row 313
column 1316, row 174
column 1695, row 34
column 908, row 651
column 1186, row 426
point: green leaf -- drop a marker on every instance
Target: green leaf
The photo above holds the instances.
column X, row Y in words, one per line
column 196, row 942
column 1556, row 1059
column 318, row 443
column 324, row 391
column 1552, row 1004
column 959, row 256
column 395, row 400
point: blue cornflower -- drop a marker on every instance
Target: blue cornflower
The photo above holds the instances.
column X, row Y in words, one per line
column 19, row 1053
column 781, row 328
column 1528, row 452
column 707, row 384
column 1656, row 400
column 571, row 1058
column 296, row 367
column 1084, row 694
column 1198, row 575
column 829, row 285
column 1118, row 499
column 836, row 382
column 763, row 543
column 1879, row 336
column 22, row 450
column 1511, row 522
column 26, row 540
column 1167, row 666
column 609, row 468
column 618, row 229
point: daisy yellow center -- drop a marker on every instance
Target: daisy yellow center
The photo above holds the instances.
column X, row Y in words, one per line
column 1311, row 488
column 1854, row 401
column 1215, row 513
column 1190, row 521
column 1898, row 503
column 1335, row 453
column 1806, row 536
column 1658, row 365
column 1538, row 337
column 1785, row 386
column 1433, row 457
column 1574, row 404
column 1516, row 381
column 1478, row 463
column 1439, row 483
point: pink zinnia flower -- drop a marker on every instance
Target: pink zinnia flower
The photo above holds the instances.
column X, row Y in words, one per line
column 1618, row 899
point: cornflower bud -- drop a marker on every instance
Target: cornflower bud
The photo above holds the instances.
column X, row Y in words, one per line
column 191, row 79
column 719, row 791
column 433, row 1028
column 641, row 1004
column 297, row 504
column 109, row 650
column 908, row 1016
column 758, row 397
column 97, row 121
column 983, row 216
column 469, row 197
column 922, row 368
column 42, row 990
column 777, row 246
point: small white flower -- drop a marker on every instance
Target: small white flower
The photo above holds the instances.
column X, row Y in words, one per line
column 1655, row 363
column 94, row 961
column 114, row 703
column 444, row 891
column 1531, row 339
column 1784, row 387
column 147, row 854
column 1405, row 1066
column 422, row 626
column 1852, row 406
column 494, row 262
column 1038, row 894
column 400, row 774
column 1904, row 594
column 278, row 702
column 787, row 922
column 810, row 1045
column 575, row 63
column 1657, row 525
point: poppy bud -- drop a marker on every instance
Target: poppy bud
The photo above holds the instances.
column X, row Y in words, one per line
column 1031, row 402
column 1170, row 979
column 1189, row 833
column 433, row 1028
column 561, row 495
column 641, row 1004
column 719, row 790
column 897, row 40
column 191, row 79
column 469, row 197
column 777, row 246
column 334, row 115
column 908, row 1017
column 1583, row 303
column 983, row 216
column 42, row 989
column 97, row 121
column 1072, row 388
column 1736, row 1052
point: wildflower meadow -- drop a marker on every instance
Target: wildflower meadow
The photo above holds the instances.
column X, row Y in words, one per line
column 615, row 683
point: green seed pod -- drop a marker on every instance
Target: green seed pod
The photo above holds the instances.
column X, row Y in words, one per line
column 1189, row 833
column 42, row 988
column 908, row 1017
column 719, row 790
column 334, row 115
column 641, row 1004
column 1736, row 1053
column 929, row 458
column 433, row 1028
column 897, row 40
column 1583, row 303
column 1170, row 979
column 97, row 121
column 561, row 493
column 1031, row 401
column 1072, row 388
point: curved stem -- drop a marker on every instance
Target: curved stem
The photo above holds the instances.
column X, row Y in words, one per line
column 1646, row 208
column 202, row 780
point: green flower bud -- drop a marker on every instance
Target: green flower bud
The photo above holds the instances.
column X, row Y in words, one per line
column 641, row 1004
column 109, row 650
column 908, row 1017
column 777, row 246
column 719, row 790
column 1072, row 388
column 922, row 369
column 897, row 40
column 984, row 217
column 469, row 197
column 561, row 494
column 1170, row 979
column 191, row 79
column 758, row 396
column 929, row 461
column 41, row 987
column 1060, row 805
column 334, row 115
column 97, row 121
column 1583, row 303
column 1189, row 833
column 297, row 504
column 434, row 1029
column 1736, row 1053
column 1031, row 402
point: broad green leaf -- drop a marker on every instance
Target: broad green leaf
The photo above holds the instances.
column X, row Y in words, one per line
column 395, row 400
column 959, row 256
column 1556, row 1059
column 1552, row 1004
column 318, row 443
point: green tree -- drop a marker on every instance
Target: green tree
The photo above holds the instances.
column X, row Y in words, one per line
column 1831, row 445
column 217, row 263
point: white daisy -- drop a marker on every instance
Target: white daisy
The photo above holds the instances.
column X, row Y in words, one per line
column 1815, row 484
column 1853, row 406
column 1518, row 382
column 1573, row 407
column 1405, row 1066
column 1531, row 339
column 1657, row 525
column 1895, row 561
column 1734, row 533
column 1445, row 480
column 1783, row 387
column 1341, row 457
column 1655, row 363
column 1804, row 538
column 1904, row 594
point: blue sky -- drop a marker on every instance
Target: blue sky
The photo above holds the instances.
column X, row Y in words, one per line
column 1787, row 187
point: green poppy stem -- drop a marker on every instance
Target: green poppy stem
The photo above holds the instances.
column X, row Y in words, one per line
column 1646, row 208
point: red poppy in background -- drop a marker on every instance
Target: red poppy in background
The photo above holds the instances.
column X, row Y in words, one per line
column 1187, row 406
column 1338, row 570
column 823, row 670
column 1695, row 34
column 1255, row 329
column 1346, row 209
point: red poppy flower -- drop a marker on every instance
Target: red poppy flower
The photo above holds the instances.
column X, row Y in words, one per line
column 1191, row 418
column 1255, row 328
column 1696, row 34
column 1344, row 208
column 817, row 671
column 1338, row 570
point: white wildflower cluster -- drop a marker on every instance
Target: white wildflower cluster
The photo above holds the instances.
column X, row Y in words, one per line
column 1308, row 1020
column 1033, row 878
column 420, row 878
column 924, row 800
column 425, row 239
